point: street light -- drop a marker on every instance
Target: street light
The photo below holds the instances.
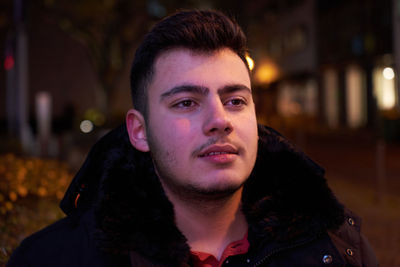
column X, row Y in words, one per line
column 86, row 126
column 266, row 73
column 388, row 73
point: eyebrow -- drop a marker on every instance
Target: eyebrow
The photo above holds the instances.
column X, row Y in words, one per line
column 186, row 88
column 202, row 90
column 231, row 88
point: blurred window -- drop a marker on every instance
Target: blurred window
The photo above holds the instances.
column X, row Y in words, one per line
column 331, row 97
column 297, row 98
column 356, row 97
column 384, row 87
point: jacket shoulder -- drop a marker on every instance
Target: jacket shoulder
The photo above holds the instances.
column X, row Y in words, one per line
column 41, row 247
column 64, row 243
column 351, row 243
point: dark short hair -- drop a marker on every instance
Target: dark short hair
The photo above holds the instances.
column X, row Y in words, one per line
column 202, row 31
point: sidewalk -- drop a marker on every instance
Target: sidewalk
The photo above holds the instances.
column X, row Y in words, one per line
column 357, row 159
column 351, row 170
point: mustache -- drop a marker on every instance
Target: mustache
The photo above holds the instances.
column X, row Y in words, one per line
column 212, row 141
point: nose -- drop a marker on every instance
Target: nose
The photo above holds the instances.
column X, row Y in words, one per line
column 217, row 120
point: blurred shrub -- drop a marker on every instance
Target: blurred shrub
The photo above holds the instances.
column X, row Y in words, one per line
column 30, row 189
column 23, row 177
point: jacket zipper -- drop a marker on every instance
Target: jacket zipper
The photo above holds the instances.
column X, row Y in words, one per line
column 273, row 252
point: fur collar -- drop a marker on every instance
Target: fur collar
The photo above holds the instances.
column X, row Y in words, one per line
column 286, row 197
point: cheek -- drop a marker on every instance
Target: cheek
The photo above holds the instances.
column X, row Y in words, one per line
column 182, row 132
column 183, row 126
column 247, row 123
column 177, row 139
column 247, row 131
column 177, row 131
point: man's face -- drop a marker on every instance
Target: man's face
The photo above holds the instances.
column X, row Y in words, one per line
column 201, row 127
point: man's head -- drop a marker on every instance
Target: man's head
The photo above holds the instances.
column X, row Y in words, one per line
column 199, row 125
column 202, row 31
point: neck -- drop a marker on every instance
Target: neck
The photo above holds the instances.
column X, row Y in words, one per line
column 212, row 224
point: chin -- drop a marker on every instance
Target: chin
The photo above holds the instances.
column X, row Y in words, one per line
column 223, row 188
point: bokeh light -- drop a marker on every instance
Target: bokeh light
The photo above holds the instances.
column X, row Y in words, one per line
column 250, row 62
column 86, row 126
column 388, row 73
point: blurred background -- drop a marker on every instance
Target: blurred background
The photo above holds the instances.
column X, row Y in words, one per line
column 325, row 74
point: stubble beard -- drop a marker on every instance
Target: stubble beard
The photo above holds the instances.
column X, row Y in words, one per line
column 163, row 160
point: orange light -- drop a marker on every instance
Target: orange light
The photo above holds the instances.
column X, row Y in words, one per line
column 267, row 72
column 250, row 62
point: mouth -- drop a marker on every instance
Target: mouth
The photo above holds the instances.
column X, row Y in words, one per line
column 214, row 153
column 218, row 150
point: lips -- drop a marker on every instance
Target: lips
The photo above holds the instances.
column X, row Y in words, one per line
column 216, row 150
column 215, row 153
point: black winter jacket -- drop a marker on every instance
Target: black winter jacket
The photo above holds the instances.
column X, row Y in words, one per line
column 118, row 214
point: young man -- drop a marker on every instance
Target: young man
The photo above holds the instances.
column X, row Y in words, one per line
column 192, row 180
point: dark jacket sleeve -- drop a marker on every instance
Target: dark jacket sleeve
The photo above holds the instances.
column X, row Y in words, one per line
column 351, row 244
column 17, row 258
column 65, row 243
column 368, row 254
column 46, row 247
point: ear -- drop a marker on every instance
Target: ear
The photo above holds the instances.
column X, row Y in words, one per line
column 136, row 127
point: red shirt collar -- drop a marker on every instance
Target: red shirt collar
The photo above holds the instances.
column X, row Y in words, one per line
column 203, row 259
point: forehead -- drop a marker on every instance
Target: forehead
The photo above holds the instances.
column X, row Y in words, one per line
column 183, row 66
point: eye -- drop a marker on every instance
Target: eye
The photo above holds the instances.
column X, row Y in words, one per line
column 236, row 102
column 185, row 104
